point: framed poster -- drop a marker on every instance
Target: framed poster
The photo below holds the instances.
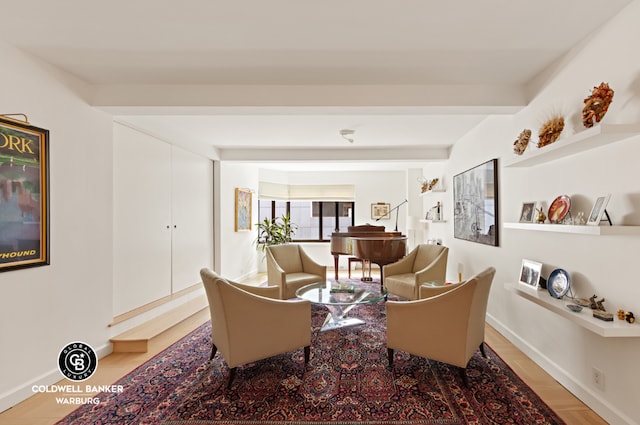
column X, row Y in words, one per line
column 475, row 197
column 243, row 210
column 24, row 195
column 380, row 211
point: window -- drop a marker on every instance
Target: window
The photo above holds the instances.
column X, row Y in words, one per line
column 316, row 220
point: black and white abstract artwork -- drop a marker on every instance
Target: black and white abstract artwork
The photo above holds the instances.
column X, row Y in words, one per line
column 475, row 196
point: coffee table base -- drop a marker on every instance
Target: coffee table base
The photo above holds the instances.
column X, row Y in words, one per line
column 332, row 322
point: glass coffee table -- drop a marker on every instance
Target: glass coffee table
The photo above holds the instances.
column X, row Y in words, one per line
column 339, row 298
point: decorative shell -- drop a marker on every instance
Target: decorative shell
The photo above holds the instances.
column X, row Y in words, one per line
column 596, row 105
column 550, row 131
column 522, row 142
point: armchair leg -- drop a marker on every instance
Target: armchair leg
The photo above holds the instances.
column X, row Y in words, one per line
column 214, row 350
column 463, row 375
column 390, row 355
column 232, row 374
column 482, row 350
column 307, row 354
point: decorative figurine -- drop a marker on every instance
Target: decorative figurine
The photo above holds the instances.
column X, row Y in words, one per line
column 598, row 310
column 629, row 317
column 541, row 218
column 626, row 315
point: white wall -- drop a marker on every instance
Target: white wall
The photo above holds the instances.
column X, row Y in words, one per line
column 44, row 308
column 237, row 256
column 598, row 265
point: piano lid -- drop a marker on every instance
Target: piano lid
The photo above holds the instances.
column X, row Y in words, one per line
column 365, row 228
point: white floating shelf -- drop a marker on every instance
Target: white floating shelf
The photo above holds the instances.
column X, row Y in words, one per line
column 617, row 328
column 602, row 230
column 433, row 191
column 600, row 135
column 433, row 221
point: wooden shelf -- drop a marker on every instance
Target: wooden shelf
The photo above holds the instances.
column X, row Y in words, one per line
column 617, row 328
column 600, row 135
column 579, row 230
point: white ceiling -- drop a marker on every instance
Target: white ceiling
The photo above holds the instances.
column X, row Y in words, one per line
column 278, row 80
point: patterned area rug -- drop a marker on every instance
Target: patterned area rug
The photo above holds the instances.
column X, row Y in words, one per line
column 347, row 381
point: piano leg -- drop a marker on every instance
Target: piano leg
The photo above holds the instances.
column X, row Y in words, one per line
column 366, row 271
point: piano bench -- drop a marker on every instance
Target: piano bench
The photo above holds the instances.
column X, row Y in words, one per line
column 353, row 260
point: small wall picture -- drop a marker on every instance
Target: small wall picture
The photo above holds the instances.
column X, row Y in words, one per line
column 243, row 210
column 598, row 209
column 527, row 214
column 380, row 211
column 530, row 274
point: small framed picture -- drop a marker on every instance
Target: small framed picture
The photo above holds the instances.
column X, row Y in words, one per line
column 243, row 210
column 598, row 209
column 527, row 214
column 380, row 211
column 530, row 274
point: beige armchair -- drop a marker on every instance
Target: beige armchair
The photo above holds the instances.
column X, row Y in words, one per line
column 247, row 327
column 424, row 264
column 289, row 267
column 448, row 327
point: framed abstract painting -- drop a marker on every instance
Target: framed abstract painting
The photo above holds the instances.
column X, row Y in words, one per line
column 475, row 197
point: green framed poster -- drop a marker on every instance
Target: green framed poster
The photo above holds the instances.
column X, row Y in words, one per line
column 24, row 195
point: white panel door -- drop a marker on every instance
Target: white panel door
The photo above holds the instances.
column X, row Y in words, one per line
column 192, row 213
column 142, row 219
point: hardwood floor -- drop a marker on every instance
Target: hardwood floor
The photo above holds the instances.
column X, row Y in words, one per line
column 42, row 409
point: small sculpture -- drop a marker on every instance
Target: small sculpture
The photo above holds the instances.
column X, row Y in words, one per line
column 600, row 306
column 550, row 131
column 626, row 315
column 541, row 218
column 521, row 143
column 428, row 184
column 596, row 105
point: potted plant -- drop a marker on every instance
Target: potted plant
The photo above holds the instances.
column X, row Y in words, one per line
column 275, row 232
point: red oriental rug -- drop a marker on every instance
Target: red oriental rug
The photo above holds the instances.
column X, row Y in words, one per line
column 347, row 381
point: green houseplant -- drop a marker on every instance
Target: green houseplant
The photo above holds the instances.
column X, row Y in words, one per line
column 275, row 232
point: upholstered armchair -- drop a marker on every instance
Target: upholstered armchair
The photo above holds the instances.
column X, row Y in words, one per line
column 289, row 267
column 448, row 327
column 246, row 327
column 425, row 263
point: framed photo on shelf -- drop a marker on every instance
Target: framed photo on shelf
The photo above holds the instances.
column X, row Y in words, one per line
column 380, row 211
column 243, row 210
column 24, row 195
column 527, row 213
column 530, row 274
column 598, row 210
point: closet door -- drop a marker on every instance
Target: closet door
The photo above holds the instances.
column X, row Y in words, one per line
column 192, row 216
column 142, row 219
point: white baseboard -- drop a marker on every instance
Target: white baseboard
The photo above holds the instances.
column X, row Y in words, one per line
column 595, row 401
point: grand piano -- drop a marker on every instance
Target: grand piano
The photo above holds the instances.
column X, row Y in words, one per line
column 370, row 243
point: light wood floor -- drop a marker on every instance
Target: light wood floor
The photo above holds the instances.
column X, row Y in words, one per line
column 42, row 409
